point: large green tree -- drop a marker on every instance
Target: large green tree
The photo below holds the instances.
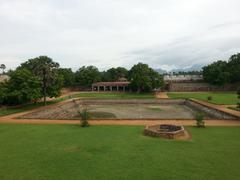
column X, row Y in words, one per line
column 22, row 87
column 47, row 71
column 233, row 67
column 216, row 73
column 143, row 78
column 114, row 74
column 85, row 76
column 68, row 76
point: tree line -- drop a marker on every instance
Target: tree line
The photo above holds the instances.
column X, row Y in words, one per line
column 41, row 77
column 222, row 72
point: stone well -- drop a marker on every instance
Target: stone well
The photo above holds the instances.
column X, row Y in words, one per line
column 168, row 131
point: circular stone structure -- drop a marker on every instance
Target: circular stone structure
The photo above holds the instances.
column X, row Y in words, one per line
column 168, row 131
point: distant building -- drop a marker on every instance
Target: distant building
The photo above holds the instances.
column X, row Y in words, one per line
column 121, row 85
column 182, row 78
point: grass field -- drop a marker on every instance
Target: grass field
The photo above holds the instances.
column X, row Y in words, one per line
column 116, row 95
column 116, row 152
column 217, row 97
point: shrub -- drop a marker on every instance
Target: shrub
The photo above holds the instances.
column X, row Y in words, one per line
column 238, row 105
column 238, row 92
column 199, row 118
column 209, row 98
column 85, row 116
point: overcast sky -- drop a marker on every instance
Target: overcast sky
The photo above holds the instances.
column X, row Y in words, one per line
column 163, row 33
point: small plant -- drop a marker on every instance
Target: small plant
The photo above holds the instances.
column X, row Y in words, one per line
column 199, row 118
column 238, row 93
column 209, row 98
column 85, row 116
column 82, row 113
column 238, row 106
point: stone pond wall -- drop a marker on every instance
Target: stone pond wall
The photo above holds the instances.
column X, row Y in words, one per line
column 213, row 113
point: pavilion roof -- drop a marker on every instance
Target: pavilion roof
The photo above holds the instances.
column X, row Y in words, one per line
column 115, row 83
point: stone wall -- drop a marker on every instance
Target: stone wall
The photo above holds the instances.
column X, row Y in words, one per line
column 213, row 113
column 133, row 101
column 192, row 87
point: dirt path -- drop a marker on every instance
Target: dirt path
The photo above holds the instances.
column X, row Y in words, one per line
column 162, row 95
column 123, row 122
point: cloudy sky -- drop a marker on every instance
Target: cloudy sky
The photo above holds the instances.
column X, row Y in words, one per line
column 163, row 33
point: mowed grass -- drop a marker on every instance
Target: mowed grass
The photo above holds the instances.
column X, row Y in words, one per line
column 116, row 152
column 115, row 95
column 217, row 97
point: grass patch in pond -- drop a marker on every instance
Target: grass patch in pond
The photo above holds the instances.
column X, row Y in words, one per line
column 102, row 115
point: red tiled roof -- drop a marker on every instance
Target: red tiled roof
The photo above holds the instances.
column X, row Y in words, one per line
column 116, row 83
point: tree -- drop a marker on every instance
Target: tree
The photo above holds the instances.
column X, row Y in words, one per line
column 144, row 78
column 68, row 76
column 85, row 76
column 216, row 73
column 114, row 74
column 46, row 69
column 233, row 67
column 22, row 87
column 3, row 67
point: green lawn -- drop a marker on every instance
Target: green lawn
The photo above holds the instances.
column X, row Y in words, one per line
column 116, row 95
column 217, row 97
column 62, row 152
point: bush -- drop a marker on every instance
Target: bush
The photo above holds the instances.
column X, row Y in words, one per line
column 238, row 105
column 85, row 116
column 199, row 118
column 209, row 98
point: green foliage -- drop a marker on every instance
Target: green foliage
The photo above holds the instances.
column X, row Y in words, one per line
column 216, row 73
column 144, row 78
column 85, row 116
column 22, row 87
column 209, row 98
column 222, row 72
column 68, row 77
column 238, row 93
column 47, row 70
column 238, row 105
column 85, row 76
column 233, row 67
column 114, row 74
column 199, row 118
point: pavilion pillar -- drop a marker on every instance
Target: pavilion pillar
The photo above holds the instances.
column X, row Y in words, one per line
column 124, row 88
column 110, row 88
column 117, row 88
column 97, row 88
column 104, row 88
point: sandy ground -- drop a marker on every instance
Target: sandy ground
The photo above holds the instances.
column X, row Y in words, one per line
column 162, row 95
